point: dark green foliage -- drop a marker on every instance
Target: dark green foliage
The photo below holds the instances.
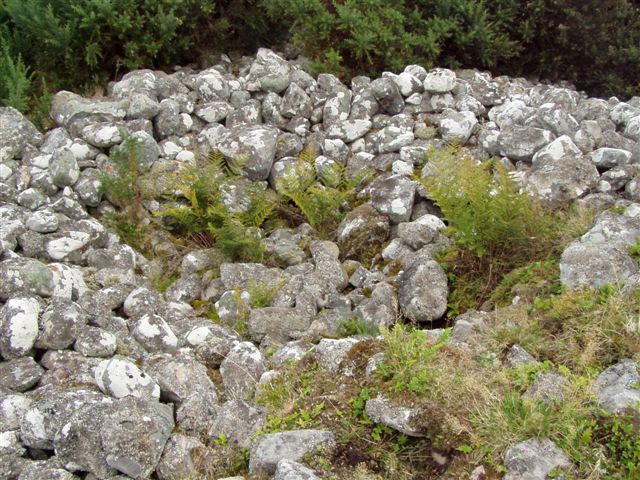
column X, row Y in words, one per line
column 593, row 43
column 367, row 36
column 15, row 80
column 76, row 42
column 121, row 187
column 622, row 440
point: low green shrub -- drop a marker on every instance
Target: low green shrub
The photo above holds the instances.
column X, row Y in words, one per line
column 408, row 360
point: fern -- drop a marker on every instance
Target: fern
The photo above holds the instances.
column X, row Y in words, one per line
column 233, row 228
column 483, row 206
column 321, row 194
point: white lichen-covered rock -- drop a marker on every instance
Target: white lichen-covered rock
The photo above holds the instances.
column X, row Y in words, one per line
column 19, row 326
column 16, row 132
column 255, row 144
column 155, row 334
column 126, row 436
column 457, row 126
column 401, row 418
column 439, row 80
column 290, row 470
column 25, row 275
column 393, row 195
column 120, row 378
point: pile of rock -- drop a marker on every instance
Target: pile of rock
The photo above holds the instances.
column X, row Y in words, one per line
column 103, row 374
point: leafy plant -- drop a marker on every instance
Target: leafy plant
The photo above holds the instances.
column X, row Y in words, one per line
column 261, row 294
column 122, row 188
column 367, row 36
column 320, row 192
column 233, row 227
column 408, row 359
column 622, row 441
column 355, row 326
column 485, row 210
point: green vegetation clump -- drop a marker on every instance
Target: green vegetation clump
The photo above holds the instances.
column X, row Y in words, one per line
column 368, row 36
column 321, row 193
column 496, row 227
column 81, row 44
column 207, row 219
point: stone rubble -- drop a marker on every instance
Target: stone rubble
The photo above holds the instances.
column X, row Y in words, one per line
column 111, row 378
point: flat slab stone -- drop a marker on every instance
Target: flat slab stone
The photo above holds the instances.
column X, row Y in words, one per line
column 292, row 445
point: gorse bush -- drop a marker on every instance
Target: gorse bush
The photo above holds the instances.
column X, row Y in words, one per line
column 75, row 42
column 367, row 36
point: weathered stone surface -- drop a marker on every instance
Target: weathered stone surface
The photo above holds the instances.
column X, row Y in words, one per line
column 239, row 422
column 601, row 255
column 423, row 291
column 19, row 326
column 292, row 445
column 50, row 410
column 20, row 374
column 178, row 458
column 521, row 143
column 616, row 388
column 126, row 436
column 534, row 460
column 563, row 180
column 362, row 231
column 402, row 419
column 290, row 470
column 439, row 80
column 119, row 378
column 388, row 95
column 155, row 334
column 241, row 369
column 329, row 353
column 457, row 126
column 16, row 133
column 25, row 275
column 60, row 324
column 393, row 195
column 179, row 376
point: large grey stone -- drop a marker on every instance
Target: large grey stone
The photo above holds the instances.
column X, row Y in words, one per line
column 255, row 145
column 241, row 369
column 616, row 388
column 119, row 378
column 393, row 195
column 400, row 418
column 423, row 291
column 521, row 143
column 16, row 133
column 127, row 436
column 534, row 460
column 292, row 445
column 19, row 326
